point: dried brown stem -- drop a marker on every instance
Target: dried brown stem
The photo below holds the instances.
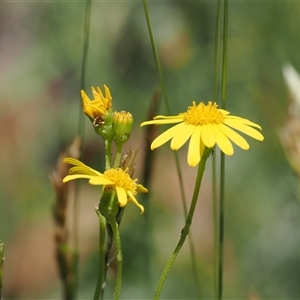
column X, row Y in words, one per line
column 64, row 253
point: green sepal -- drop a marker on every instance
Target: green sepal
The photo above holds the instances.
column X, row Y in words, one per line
column 105, row 129
column 109, row 204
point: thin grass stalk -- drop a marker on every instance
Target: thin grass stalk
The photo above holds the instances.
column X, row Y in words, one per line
column 224, row 59
column 188, row 223
column 215, row 223
column 222, row 167
column 86, row 33
column 148, row 164
column 221, row 228
column 214, row 167
column 156, row 58
column 217, row 52
column 178, row 168
column 76, row 207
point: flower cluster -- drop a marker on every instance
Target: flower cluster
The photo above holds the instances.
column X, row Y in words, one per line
column 110, row 126
column 205, row 126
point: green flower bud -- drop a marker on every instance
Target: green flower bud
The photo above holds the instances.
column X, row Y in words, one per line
column 105, row 130
column 122, row 126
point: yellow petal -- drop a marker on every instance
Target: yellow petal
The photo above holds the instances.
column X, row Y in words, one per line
column 83, row 170
column 122, row 196
column 80, row 167
column 245, row 129
column 208, row 135
column 97, row 97
column 244, row 121
column 182, row 136
column 194, row 148
column 84, row 97
column 202, row 147
column 107, row 93
column 78, row 176
column 223, row 142
column 223, row 111
column 169, row 117
column 159, row 122
column 73, row 161
column 235, row 137
column 99, row 92
column 86, row 104
column 166, row 136
column 96, row 180
column 132, row 199
column 141, row 189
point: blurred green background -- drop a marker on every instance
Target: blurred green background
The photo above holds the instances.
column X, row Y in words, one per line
column 41, row 46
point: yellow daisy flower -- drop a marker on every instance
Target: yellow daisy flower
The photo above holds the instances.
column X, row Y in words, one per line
column 206, row 125
column 97, row 108
column 117, row 179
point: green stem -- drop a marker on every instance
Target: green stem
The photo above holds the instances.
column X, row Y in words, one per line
column 118, row 155
column 188, row 222
column 221, row 229
column 190, row 237
column 107, row 145
column 119, row 257
column 102, row 253
column 222, row 171
column 1, row 266
column 214, row 172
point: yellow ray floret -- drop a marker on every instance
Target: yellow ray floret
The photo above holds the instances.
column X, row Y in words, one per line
column 117, row 179
column 205, row 126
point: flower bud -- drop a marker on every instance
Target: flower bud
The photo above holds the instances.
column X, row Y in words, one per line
column 96, row 109
column 122, row 126
column 105, row 129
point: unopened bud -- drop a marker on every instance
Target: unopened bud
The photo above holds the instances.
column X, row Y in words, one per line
column 122, row 126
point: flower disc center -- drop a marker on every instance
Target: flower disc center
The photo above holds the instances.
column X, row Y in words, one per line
column 203, row 114
column 121, row 179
